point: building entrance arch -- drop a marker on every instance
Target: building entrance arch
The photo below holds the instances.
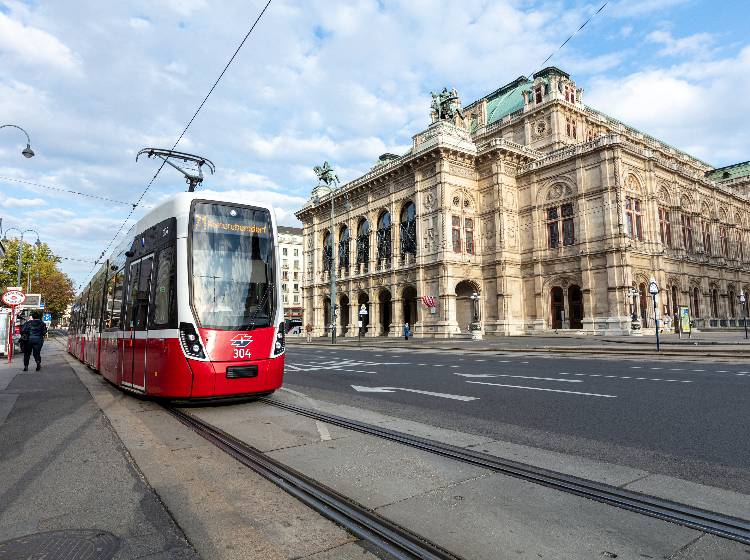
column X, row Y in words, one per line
column 409, row 297
column 343, row 313
column 384, row 303
column 467, row 309
column 557, row 307
column 575, row 305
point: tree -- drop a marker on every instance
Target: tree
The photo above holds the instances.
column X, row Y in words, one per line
column 39, row 269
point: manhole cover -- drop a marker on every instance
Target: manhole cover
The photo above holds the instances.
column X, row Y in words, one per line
column 70, row 545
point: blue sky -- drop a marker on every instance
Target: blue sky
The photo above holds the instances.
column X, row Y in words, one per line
column 338, row 80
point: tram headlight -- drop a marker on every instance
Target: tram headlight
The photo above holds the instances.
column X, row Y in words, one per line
column 190, row 342
column 280, row 344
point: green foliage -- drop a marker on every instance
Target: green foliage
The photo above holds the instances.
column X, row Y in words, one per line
column 39, row 267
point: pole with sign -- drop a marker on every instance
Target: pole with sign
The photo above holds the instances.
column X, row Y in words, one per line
column 13, row 297
column 362, row 313
column 653, row 289
column 743, row 303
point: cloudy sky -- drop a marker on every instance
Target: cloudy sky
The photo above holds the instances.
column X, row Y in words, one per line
column 342, row 80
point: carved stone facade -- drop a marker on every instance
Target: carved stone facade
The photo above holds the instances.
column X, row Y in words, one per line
column 547, row 210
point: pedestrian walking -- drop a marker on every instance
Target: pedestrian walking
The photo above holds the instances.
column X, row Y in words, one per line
column 33, row 333
column 308, row 332
column 407, row 331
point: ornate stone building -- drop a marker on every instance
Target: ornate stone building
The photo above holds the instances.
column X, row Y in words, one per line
column 545, row 211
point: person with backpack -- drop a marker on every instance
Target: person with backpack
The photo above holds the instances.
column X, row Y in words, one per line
column 32, row 335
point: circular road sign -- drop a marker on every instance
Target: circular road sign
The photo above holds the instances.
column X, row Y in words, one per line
column 13, row 298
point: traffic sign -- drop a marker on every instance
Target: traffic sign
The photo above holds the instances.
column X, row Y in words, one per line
column 12, row 298
column 363, row 309
column 47, row 317
column 41, row 305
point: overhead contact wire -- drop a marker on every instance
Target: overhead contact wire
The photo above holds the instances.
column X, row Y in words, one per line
column 585, row 23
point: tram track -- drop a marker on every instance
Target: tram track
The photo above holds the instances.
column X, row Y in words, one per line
column 710, row 522
column 390, row 537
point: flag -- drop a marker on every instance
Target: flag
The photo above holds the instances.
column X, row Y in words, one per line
column 429, row 301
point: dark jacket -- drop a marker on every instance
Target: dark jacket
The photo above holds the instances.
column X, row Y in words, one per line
column 34, row 329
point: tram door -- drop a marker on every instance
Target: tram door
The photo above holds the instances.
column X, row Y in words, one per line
column 136, row 326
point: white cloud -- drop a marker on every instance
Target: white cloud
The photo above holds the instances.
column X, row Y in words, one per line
column 694, row 105
column 139, row 23
column 11, row 202
column 699, row 44
column 31, row 45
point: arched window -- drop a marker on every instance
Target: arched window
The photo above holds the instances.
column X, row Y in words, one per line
column 327, row 251
column 384, row 236
column 696, row 303
column 724, row 244
column 344, row 247
column 732, row 299
column 408, row 229
column 707, row 236
column 363, row 244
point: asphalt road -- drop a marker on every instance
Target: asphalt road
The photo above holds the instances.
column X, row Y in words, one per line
column 683, row 419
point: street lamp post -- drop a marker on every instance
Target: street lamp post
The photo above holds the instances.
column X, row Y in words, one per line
column 653, row 289
column 743, row 303
column 27, row 152
column 329, row 182
column 20, row 248
column 475, row 301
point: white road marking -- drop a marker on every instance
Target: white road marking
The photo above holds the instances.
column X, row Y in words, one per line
column 362, row 389
column 325, row 435
column 623, row 377
column 636, row 367
column 485, row 375
column 541, row 389
column 699, row 370
column 655, row 368
column 455, row 366
column 438, row 365
column 721, row 371
column 480, row 360
column 676, row 369
column 293, row 392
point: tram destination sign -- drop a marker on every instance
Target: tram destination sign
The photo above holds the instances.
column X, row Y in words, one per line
column 12, row 298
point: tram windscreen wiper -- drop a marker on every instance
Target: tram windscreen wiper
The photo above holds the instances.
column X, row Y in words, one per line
column 251, row 323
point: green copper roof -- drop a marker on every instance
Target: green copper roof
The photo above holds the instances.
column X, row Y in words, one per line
column 730, row 172
column 506, row 99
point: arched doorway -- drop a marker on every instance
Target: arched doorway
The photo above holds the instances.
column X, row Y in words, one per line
column 327, row 316
column 467, row 309
column 363, row 299
column 384, row 300
column 575, row 305
column 343, row 312
column 557, row 307
column 643, row 303
column 409, row 296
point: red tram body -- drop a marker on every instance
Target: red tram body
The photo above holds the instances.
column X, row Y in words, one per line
column 189, row 305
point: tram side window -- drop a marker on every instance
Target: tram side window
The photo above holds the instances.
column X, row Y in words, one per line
column 164, row 289
column 115, row 299
column 142, row 294
column 96, row 304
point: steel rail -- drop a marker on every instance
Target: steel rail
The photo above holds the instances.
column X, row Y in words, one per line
column 711, row 522
column 362, row 522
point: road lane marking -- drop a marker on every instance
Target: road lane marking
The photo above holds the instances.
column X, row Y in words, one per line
column 361, row 389
column 636, row 367
column 480, row 360
column 699, row 370
column 485, row 375
column 623, row 377
column 325, row 435
column 542, row 389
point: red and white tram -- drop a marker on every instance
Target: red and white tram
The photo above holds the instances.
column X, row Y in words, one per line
column 189, row 306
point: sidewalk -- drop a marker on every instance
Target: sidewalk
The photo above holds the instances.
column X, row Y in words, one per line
column 68, row 488
column 729, row 344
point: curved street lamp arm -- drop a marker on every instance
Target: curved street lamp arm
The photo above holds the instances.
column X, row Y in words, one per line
column 28, row 140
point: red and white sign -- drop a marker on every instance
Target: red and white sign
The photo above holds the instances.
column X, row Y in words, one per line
column 11, row 298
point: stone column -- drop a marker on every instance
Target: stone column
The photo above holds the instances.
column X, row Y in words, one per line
column 397, row 317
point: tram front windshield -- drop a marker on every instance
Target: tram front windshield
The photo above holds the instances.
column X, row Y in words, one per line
column 232, row 266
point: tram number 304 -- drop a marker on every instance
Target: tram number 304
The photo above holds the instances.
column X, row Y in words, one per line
column 242, row 353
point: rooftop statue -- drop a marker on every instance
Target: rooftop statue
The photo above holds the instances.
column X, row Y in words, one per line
column 446, row 105
column 325, row 174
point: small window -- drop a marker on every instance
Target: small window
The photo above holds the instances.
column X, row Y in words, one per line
column 553, row 228
column 296, row 253
column 568, row 228
column 633, row 218
column 538, row 94
column 469, row 234
column 116, row 305
column 284, row 251
column 456, row 221
column 164, row 288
